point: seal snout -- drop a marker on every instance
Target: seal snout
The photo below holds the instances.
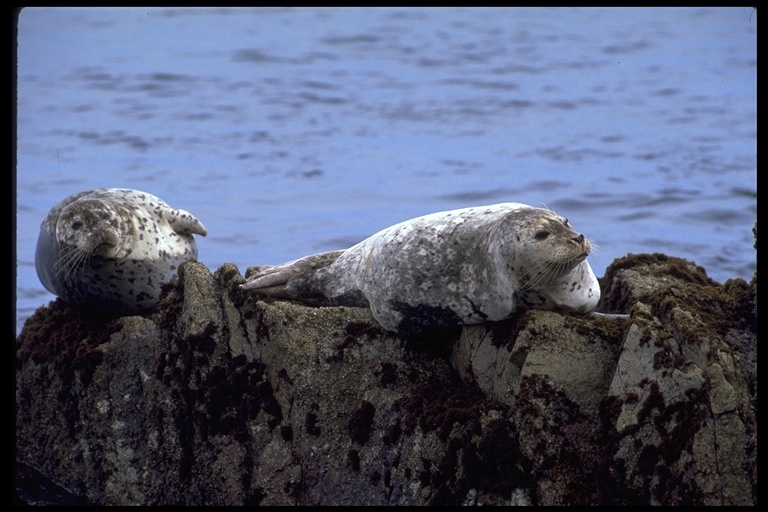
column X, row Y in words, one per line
column 580, row 240
column 583, row 243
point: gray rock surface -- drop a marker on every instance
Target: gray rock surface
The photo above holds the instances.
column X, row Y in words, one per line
column 222, row 399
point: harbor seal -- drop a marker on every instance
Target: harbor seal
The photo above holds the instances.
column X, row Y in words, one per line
column 457, row 267
column 111, row 249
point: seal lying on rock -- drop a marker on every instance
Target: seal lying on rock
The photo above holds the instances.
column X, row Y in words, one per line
column 112, row 248
column 457, row 267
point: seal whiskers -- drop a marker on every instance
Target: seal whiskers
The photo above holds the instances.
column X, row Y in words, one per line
column 552, row 270
column 71, row 259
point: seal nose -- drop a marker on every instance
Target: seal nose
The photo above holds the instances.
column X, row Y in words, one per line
column 580, row 239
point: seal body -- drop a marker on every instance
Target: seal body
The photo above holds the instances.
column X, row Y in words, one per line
column 456, row 267
column 112, row 249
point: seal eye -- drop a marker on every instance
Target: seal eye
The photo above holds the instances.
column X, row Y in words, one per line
column 77, row 225
column 541, row 235
column 566, row 223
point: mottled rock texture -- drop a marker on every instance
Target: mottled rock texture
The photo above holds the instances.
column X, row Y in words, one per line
column 222, row 399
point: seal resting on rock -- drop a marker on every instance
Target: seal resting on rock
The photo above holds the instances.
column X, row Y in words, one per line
column 111, row 249
column 457, row 267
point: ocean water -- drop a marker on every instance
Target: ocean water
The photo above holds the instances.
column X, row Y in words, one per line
column 290, row 131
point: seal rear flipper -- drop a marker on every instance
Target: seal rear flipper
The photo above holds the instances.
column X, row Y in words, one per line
column 273, row 280
column 275, row 292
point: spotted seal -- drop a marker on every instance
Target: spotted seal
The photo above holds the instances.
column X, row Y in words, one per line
column 111, row 248
column 457, row 267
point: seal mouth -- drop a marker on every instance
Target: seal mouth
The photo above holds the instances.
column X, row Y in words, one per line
column 110, row 239
column 103, row 242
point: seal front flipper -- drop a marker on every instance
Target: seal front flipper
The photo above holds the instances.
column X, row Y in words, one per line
column 184, row 222
column 272, row 281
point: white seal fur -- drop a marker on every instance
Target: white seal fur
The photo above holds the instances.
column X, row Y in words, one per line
column 457, row 267
column 112, row 248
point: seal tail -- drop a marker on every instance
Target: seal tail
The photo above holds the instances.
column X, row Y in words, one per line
column 273, row 281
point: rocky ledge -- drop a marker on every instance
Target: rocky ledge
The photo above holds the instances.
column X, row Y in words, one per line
column 223, row 399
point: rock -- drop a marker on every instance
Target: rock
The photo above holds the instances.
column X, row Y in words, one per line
column 222, row 399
